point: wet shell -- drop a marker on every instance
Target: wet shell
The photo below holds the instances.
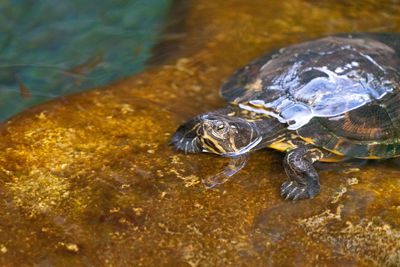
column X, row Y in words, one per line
column 339, row 92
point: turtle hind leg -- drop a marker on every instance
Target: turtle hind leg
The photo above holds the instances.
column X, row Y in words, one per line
column 303, row 179
column 185, row 137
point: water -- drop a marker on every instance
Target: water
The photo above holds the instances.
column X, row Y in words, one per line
column 90, row 179
column 61, row 49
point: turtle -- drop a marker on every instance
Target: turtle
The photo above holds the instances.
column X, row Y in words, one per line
column 325, row 99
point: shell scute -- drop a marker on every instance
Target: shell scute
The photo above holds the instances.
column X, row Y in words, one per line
column 321, row 78
column 341, row 93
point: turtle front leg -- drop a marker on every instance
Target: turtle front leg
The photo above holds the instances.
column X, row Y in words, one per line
column 185, row 137
column 303, row 179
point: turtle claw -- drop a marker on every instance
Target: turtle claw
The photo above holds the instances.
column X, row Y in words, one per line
column 185, row 145
column 288, row 195
column 285, row 185
column 292, row 190
column 296, row 197
column 185, row 138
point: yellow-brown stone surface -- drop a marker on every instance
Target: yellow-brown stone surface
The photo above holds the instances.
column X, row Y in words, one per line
column 89, row 179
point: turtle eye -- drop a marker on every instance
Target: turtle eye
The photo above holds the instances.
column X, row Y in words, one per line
column 220, row 126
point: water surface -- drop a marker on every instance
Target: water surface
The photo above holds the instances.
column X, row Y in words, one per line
column 63, row 48
column 90, row 179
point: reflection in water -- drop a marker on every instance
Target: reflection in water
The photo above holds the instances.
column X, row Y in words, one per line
column 93, row 181
column 235, row 165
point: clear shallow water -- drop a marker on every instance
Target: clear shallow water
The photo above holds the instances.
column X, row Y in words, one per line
column 58, row 49
column 90, row 179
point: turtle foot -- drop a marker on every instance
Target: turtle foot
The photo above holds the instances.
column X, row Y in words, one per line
column 185, row 137
column 303, row 179
column 291, row 190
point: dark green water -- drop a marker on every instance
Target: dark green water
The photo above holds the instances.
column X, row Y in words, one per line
column 62, row 47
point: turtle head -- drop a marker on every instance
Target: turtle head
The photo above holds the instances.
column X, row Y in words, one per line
column 218, row 133
column 226, row 135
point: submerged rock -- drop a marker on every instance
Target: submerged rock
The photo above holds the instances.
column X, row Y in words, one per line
column 89, row 179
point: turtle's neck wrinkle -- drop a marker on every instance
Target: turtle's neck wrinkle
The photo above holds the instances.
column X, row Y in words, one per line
column 271, row 130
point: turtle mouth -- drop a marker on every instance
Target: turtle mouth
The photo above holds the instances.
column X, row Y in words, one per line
column 209, row 147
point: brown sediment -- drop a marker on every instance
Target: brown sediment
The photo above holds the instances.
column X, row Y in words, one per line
column 89, row 179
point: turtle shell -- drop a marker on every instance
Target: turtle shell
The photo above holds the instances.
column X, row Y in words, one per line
column 339, row 92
